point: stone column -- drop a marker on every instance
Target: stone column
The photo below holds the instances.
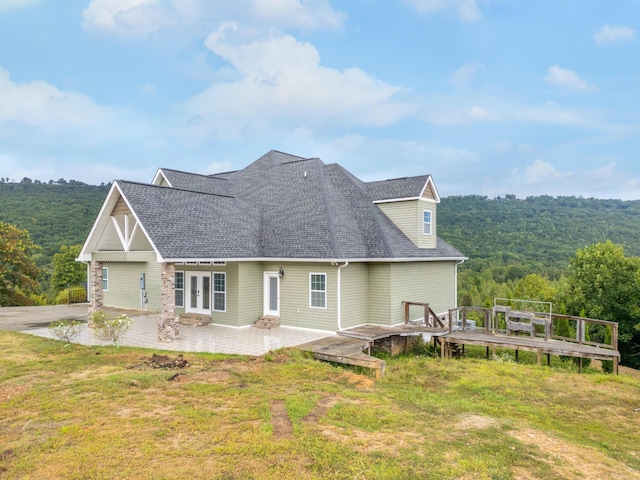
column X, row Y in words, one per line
column 95, row 288
column 168, row 329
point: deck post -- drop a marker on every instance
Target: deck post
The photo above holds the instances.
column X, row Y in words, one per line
column 539, row 356
column 426, row 314
column 580, row 365
column 406, row 313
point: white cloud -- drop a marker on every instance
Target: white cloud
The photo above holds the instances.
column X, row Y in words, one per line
column 128, row 18
column 568, row 79
column 10, row 4
column 39, row 104
column 466, row 10
column 613, row 34
column 281, row 82
column 465, row 74
column 542, row 172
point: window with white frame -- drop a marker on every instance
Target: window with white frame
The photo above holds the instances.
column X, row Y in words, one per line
column 179, row 288
column 220, row 292
column 105, row 279
column 426, row 222
column 318, row 290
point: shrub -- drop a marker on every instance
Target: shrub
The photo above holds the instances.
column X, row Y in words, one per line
column 111, row 329
column 65, row 330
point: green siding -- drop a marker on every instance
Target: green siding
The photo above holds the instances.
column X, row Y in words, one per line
column 408, row 216
column 250, row 293
column 124, row 285
column 354, row 295
column 294, row 295
column 427, row 282
column 379, row 310
column 230, row 316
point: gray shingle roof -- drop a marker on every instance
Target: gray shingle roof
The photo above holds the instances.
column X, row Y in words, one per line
column 280, row 206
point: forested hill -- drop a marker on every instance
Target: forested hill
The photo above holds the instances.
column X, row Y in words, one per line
column 537, row 233
column 54, row 214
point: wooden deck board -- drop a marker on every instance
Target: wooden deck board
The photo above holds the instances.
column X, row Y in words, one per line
column 376, row 332
column 536, row 344
column 347, row 350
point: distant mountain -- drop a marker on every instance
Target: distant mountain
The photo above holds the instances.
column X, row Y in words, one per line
column 534, row 234
column 54, row 214
column 539, row 233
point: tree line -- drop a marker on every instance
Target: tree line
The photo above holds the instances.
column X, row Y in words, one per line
column 581, row 254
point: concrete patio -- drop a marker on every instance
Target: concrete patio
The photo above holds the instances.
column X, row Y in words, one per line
column 144, row 332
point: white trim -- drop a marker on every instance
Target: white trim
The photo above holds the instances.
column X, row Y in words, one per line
column 213, row 292
column 266, row 296
column 332, row 260
column 85, row 256
column 183, row 289
column 430, row 234
column 325, row 291
column 198, row 309
column 433, row 186
column 406, row 199
column 160, row 176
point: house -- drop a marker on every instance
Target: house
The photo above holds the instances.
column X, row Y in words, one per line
column 287, row 237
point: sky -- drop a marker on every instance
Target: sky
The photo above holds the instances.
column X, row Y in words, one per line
column 491, row 97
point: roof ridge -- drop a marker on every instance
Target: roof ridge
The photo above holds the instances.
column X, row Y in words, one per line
column 173, row 188
column 325, row 199
column 196, row 174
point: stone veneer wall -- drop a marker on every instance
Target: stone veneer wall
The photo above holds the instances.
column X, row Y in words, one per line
column 168, row 325
column 95, row 288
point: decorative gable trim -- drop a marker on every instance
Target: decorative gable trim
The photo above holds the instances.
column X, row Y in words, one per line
column 161, row 179
column 115, row 203
column 429, row 191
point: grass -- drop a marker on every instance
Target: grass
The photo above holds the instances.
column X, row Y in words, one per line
column 100, row 412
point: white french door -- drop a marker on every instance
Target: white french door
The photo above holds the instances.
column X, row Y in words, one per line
column 272, row 294
column 199, row 293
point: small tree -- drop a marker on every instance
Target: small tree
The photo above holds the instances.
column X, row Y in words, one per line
column 111, row 329
column 65, row 330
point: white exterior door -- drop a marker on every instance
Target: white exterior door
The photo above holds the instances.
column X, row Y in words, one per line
column 199, row 293
column 272, row 294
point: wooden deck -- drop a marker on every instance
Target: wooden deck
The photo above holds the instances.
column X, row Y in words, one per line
column 348, row 346
column 536, row 344
column 347, row 350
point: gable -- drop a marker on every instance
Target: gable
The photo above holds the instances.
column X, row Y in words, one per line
column 116, row 229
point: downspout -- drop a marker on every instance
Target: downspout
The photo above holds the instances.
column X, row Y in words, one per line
column 339, row 299
column 456, row 282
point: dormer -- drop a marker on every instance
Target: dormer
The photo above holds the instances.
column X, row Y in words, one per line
column 410, row 203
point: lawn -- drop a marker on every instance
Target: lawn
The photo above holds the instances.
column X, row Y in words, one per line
column 81, row 412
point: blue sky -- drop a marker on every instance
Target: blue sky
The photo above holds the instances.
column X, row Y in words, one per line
column 491, row 97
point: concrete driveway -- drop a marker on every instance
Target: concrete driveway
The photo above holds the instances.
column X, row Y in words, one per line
column 19, row 319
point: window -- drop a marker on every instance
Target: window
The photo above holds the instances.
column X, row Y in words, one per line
column 219, row 292
column 426, row 222
column 105, row 279
column 318, row 290
column 179, row 288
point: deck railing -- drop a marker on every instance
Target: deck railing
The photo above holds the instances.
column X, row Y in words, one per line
column 492, row 322
column 430, row 317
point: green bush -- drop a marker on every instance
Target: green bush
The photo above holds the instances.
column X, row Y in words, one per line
column 111, row 329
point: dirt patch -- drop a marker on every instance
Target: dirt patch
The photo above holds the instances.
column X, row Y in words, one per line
column 7, row 392
column 164, row 361
column 320, row 410
column 359, row 381
column 479, row 422
column 282, row 426
column 572, row 461
column 366, row 443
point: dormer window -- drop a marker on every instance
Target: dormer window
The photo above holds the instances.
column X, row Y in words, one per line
column 426, row 222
